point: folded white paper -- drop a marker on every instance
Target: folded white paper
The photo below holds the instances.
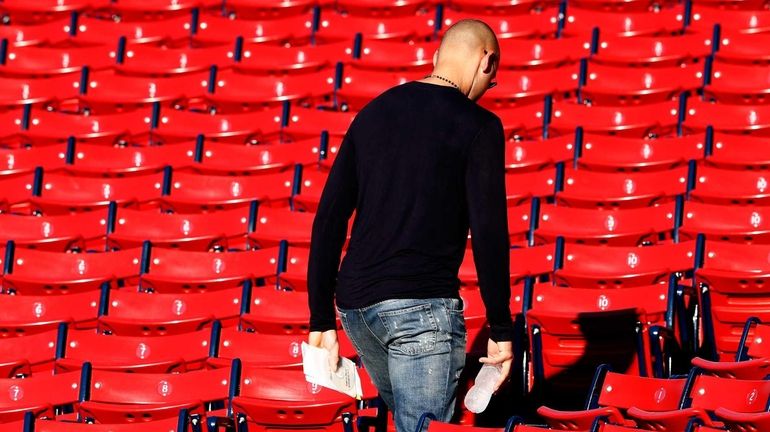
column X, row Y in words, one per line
column 315, row 365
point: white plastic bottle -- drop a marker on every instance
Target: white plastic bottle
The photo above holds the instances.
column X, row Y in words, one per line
column 478, row 396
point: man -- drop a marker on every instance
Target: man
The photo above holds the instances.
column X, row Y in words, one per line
column 420, row 164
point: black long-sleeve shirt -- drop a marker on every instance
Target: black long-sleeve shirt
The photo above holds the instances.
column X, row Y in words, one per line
column 420, row 165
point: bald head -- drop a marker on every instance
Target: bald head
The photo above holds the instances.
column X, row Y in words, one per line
column 468, row 56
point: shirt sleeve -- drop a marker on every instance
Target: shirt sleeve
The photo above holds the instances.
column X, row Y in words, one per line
column 487, row 214
column 338, row 201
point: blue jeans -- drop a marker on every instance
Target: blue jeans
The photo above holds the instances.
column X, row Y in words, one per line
column 414, row 351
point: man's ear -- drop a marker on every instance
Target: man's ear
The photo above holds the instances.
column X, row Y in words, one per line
column 488, row 62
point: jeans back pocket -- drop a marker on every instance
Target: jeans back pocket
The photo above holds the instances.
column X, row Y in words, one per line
column 411, row 330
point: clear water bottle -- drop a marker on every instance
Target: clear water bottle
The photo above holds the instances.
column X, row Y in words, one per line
column 478, row 396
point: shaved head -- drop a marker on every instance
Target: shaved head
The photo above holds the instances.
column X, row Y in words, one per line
column 467, row 58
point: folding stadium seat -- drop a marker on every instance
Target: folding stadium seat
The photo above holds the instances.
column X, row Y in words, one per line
column 731, row 287
column 534, row 23
column 658, row 119
column 216, row 30
column 750, row 363
column 622, row 5
column 731, row 21
column 200, row 192
column 276, row 224
column 292, row 270
column 335, row 27
column 55, row 233
column 144, row 10
column 167, row 425
column 718, row 186
column 622, row 267
column 62, row 194
column 519, row 224
column 30, row 314
column 92, row 30
column 260, row 9
column 227, row 159
column 43, row 127
column 654, row 50
column 154, row 354
column 276, row 397
column 739, row 152
column 45, row 61
column 613, row 85
column 224, row 229
column 42, row 92
column 25, row 160
column 300, row 59
column 574, row 330
column 41, row 394
column 313, row 181
column 16, row 192
column 538, row 154
column 275, row 351
column 118, row 397
column 628, row 227
column 131, row 313
column 530, row 86
column 387, row 8
column 738, row 84
column 25, row 12
column 32, row 34
column 740, row 224
column 108, row 92
column 28, row 354
column 384, row 55
column 612, row 393
column 275, row 311
column 744, row 48
column 736, row 119
column 524, row 262
column 592, row 189
column 306, row 123
column 103, row 161
column 544, row 54
column 236, row 92
column 522, row 187
column 173, row 271
column 606, row 153
column 248, row 128
column 490, row 9
column 359, row 86
column 626, row 24
column 67, row 273
column 140, row 59
column 707, row 394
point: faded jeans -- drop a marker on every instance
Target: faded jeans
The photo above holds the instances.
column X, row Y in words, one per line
column 414, row 351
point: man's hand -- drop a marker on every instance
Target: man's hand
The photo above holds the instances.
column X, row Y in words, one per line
column 499, row 353
column 328, row 341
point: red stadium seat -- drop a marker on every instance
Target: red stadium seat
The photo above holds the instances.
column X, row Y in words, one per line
column 736, row 119
column 199, row 192
column 249, row 128
column 704, row 17
column 226, row 159
column 622, row 267
column 606, row 153
column 728, row 187
column 275, row 311
column 41, row 92
column 654, row 50
column 25, row 12
column 739, row 152
column 141, row 59
column 336, row 27
column 538, row 154
column 738, row 84
column 216, row 30
column 522, row 187
column 300, row 59
column 170, row 353
column 41, row 62
column 25, row 160
column 61, row 194
column 266, row 9
column 16, row 192
column 100, row 160
column 750, row 363
column 629, row 227
column 132, row 313
column 95, row 30
column 545, row 53
column 622, row 5
column 591, row 189
column 706, row 395
column 274, row 225
column 359, row 86
column 30, row 314
column 530, row 86
column 574, row 330
column 740, row 224
column 167, row 425
column 68, row 273
column 39, row 394
column 52, row 127
column 29, row 354
column 173, row 271
column 152, row 396
column 193, row 232
column 613, row 394
column 386, row 8
column 143, row 10
column 531, row 23
column 383, row 55
column 635, row 121
column 625, row 24
column 55, row 233
column 313, row 181
column 613, row 85
column 750, row 49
